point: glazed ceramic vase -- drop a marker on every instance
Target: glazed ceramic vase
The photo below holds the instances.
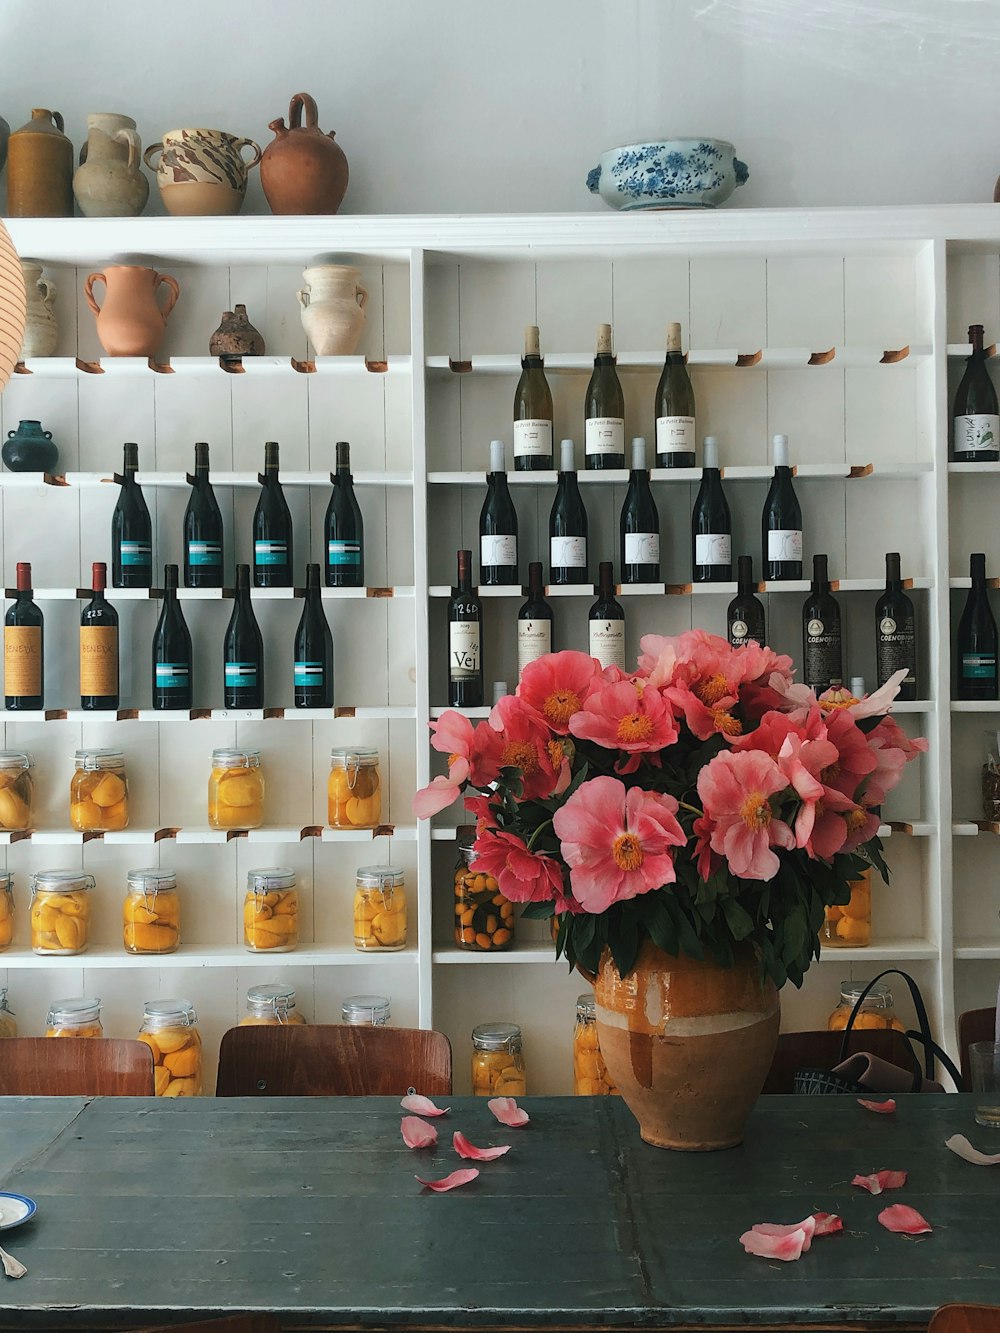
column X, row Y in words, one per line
column 40, row 169
column 303, row 170
column 30, row 449
column 687, row 1043
column 41, row 328
column 236, row 337
column 201, row 173
column 333, row 308
column 130, row 322
column 109, row 182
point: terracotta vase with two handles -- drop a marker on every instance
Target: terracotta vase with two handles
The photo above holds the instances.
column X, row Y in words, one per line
column 131, row 322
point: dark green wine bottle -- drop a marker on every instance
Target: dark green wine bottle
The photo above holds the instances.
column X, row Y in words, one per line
column 604, row 415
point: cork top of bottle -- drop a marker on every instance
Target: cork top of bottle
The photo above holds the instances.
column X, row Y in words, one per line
column 496, row 456
column 567, row 456
column 673, row 337
column 130, row 453
column 532, row 344
column 604, row 340
column 710, row 452
column 780, row 450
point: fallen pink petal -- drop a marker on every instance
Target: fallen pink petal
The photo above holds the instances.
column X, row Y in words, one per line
column 881, row 1180
column 786, row 1247
column 423, row 1106
column 880, row 1108
column 899, row 1217
column 508, row 1112
column 452, row 1182
column 417, row 1133
column 469, row 1150
column 958, row 1143
column 776, row 1230
column 827, row 1224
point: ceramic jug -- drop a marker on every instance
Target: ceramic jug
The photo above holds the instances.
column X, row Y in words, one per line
column 236, row 336
column 40, row 169
column 109, row 182
column 201, row 173
column 41, row 328
column 130, row 323
column 30, row 449
column 333, row 308
column 303, row 170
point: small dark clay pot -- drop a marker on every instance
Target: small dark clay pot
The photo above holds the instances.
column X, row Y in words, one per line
column 236, row 336
column 30, row 449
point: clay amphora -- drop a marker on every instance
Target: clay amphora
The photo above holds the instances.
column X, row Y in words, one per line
column 333, row 308
column 201, row 173
column 130, row 323
column 41, row 328
column 303, row 170
column 109, row 182
column 236, row 336
column 40, row 169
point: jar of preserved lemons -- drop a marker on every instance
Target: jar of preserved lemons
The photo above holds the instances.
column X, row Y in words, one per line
column 876, row 1009
column 270, row 1006
column 16, row 790
column 850, row 926
column 379, row 909
column 590, row 1076
column 74, row 1018
column 365, row 1011
column 152, row 912
column 236, row 790
column 271, row 911
column 169, row 1029
column 497, row 1061
column 6, row 909
column 484, row 919
column 98, row 792
column 354, row 788
column 8, row 1023
column 60, row 911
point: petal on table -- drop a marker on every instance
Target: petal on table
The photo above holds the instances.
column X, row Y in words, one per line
column 779, row 1229
column 881, row 1108
column 827, row 1224
column 508, row 1112
column 417, row 1133
column 469, row 1150
column 958, row 1143
column 904, row 1219
column 786, row 1247
column 451, row 1182
column 881, row 1180
column 423, row 1106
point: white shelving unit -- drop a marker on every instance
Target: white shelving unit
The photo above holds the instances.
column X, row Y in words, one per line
column 843, row 328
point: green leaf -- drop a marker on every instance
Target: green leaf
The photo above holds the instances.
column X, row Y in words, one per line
column 660, row 925
column 538, row 911
column 738, row 919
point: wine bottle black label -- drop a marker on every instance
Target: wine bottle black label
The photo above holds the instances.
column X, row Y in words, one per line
column 204, row 553
column 463, row 649
column 241, row 675
column 270, row 553
column 976, row 434
column 896, row 649
column 534, row 639
column 172, row 675
column 979, row 666
column 532, row 438
column 824, row 662
column 135, row 553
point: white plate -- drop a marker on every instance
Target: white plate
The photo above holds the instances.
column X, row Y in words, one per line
column 15, row 1209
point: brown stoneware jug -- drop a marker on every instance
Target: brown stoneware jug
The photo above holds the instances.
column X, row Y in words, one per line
column 303, row 170
column 40, row 168
column 130, row 323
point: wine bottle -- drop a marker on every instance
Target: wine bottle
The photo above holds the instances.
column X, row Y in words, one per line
column 745, row 614
column 606, row 621
column 344, row 528
column 99, row 647
column 639, row 524
column 711, row 523
column 604, row 413
column 895, row 632
column 976, row 667
column 243, row 650
column 497, row 526
column 173, row 683
column 131, row 530
column 532, row 410
column 822, row 642
column 465, row 640
column 675, row 427
column 272, row 528
column 203, row 554
column 781, row 521
column 976, row 417
column 534, row 621
column 23, row 649
column 313, row 661
column 567, row 524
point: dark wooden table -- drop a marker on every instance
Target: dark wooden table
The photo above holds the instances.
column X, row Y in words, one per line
column 157, row 1211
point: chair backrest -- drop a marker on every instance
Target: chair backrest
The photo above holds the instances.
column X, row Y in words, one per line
column 821, row 1050
column 234, row 1323
column 332, row 1060
column 75, row 1067
column 966, row 1318
column 973, row 1025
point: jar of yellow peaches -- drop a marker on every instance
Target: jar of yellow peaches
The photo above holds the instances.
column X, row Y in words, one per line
column 497, row 1061
column 74, row 1018
column 98, row 792
column 152, row 912
column 590, row 1076
column 236, row 790
column 16, row 790
column 6, row 909
column 169, row 1029
column 60, row 911
column 354, row 788
column 271, row 911
column 484, row 919
column 8, row 1023
column 876, row 1009
column 270, row 1006
column 365, row 1011
column 850, row 926
column 379, row 909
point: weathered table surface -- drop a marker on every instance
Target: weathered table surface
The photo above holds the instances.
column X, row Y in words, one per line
column 157, row 1211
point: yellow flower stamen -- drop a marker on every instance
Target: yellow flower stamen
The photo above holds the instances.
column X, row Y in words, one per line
column 634, row 727
column 828, row 776
column 560, row 706
column 627, row 851
column 556, row 753
column 855, row 819
column 725, row 723
column 522, row 755
column 713, row 689
column 756, row 811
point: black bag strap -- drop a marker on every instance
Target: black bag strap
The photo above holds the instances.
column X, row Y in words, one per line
column 930, row 1048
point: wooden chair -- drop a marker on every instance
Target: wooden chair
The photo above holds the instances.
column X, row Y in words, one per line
column 332, row 1060
column 235, row 1323
column 75, row 1067
column 973, row 1025
column 966, row 1318
column 821, row 1050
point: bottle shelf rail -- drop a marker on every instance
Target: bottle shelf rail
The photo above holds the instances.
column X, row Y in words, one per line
column 231, row 955
column 149, row 837
column 683, row 589
column 360, row 712
column 69, row 367
column 214, row 594
column 180, row 480
column 750, row 472
column 763, row 358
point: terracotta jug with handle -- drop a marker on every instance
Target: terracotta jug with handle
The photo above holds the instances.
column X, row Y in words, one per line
column 303, row 170
column 130, row 322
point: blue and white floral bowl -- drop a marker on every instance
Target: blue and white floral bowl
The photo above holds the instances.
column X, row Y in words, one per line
column 675, row 173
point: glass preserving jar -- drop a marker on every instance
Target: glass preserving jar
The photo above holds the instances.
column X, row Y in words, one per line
column 590, row 1075
column 74, row 1018
column 6, row 909
column 236, row 790
column 98, row 792
column 169, row 1029
column 152, row 912
column 354, row 788
column 365, row 1011
column 270, row 1006
column 271, row 911
column 60, row 911
column 497, row 1061
column 876, row 1011
column 850, row 925
column 16, row 790
column 484, row 919
column 379, row 909
column 8, row 1023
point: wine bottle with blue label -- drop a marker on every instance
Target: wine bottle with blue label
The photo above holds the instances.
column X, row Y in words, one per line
column 344, row 529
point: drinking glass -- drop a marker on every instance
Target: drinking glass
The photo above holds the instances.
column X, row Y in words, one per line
column 984, row 1059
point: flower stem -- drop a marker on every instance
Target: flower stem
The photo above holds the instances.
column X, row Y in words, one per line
column 540, row 829
column 693, row 808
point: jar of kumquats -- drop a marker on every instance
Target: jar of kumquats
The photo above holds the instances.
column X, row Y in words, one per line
column 236, row 790
column 497, row 1061
column 74, row 1018
column 16, row 790
column 60, row 911
column 850, row 926
column 6, row 909
column 8, row 1023
column 169, row 1029
column 152, row 912
column 379, row 909
column 270, row 1006
column 484, row 919
column 590, row 1076
column 271, row 911
column 876, row 1009
column 354, row 788
column 365, row 1011
column 98, row 792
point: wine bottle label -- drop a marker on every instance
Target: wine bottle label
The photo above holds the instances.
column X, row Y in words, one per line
column 497, row 550
column 343, row 553
column 739, row 632
column 532, row 438
column 98, row 660
column 306, row 675
column 823, row 657
column 976, row 434
column 642, row 548
column 204, row 553
column 896, row 649
column 22, row 661
column 713, row 548
column 979, row 666
column 171, row 675
column 241, row 675
column 607, row 642
column 675, row 435
column 605, row 435
column 270, row 553
column 463, row 649
column 568, row 552
column 534, row 639
column 135, row 553
column 784, row 544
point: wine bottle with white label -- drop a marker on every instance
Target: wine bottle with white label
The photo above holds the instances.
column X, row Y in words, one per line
column 312, row 664
column 497, row 526
column 23, row 649
column 534, row 621
column 604, row 412
column 976, row 417
column 272, row 528
column 98, row 647
column 745, row 614
column 895, row 632
column 711, row 523
column 243, row 650
column 203, row 564
column 465, row 640
column 675, row 426
column 606, row 621
column 172, row 679
column 976, row 647
column 131, row 530
column 344, row 528
column 822, row 641
column 532, row 410
column 639, row 524
column 781, row 521
column 567, row 524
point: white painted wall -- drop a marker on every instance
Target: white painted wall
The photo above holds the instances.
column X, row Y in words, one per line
column 452, row 106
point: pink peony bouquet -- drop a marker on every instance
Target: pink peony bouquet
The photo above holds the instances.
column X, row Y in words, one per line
column 703, row 800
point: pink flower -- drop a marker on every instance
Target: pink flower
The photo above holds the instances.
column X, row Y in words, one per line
column 775, row 728
column 523, row 876
column 735, row 790
column 556, row 686
column 818, row 825
column 854, row 758
column 616, row 842
column 473, row 756
column 626, row 717
column 436, row 796
column 527, row 743
column 893, row 750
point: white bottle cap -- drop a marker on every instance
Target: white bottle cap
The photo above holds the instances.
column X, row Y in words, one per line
column 780, row 450
column 710, row 454
column 500, row 690
column 639, row 453
column 496, row 456
column 567, row 456
column 858, row 687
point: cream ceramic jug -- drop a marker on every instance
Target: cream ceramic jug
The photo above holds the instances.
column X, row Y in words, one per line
column 333, row 308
